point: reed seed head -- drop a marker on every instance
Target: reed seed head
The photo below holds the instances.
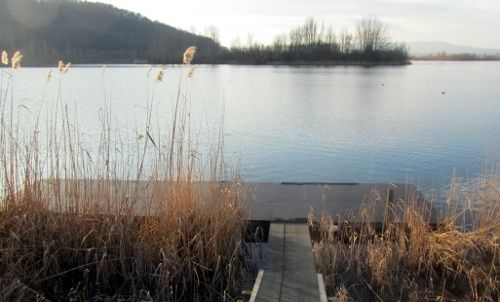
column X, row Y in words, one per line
column 189, row 55
column 160, row 75
column 63, row 68
column 16, row 60
column 49, row 76
column 5, row 58
column 191, row 71
column 66, row 68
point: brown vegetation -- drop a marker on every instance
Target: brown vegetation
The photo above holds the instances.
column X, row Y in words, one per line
column 409, row 260
column 80, row 226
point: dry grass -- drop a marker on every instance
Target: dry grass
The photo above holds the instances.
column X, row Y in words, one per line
column 458, row 261
column 75, row 225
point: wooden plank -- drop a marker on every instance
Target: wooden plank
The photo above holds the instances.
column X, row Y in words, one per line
column 274, row 201
column 264, row 201
column 290, row 272
column 270, row 286
column 256, row 286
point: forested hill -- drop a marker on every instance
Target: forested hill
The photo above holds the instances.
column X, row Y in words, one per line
column 86, row 32
column 47, row 31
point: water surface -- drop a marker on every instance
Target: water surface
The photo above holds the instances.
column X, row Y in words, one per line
column 314, row 124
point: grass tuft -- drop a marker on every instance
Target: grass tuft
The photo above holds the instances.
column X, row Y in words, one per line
column 82, row 225
column 459, row 260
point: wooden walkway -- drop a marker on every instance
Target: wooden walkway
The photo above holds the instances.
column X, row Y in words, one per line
column 292, row 201
column 290, row 273
column 264, row 201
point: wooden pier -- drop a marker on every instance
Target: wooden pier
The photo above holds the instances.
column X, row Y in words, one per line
column 293, row 201
column 290, row 273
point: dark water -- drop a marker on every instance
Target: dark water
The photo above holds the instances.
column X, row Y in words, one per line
column 346, row 124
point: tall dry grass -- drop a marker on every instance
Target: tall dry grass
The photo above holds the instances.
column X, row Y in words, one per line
column 157, row 224
column 459, row 260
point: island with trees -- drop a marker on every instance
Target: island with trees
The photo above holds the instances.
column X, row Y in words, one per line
column 312, row 43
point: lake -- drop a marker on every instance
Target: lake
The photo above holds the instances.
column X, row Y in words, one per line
column 301, row 123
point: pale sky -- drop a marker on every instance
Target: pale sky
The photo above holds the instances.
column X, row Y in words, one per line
column 465, row 22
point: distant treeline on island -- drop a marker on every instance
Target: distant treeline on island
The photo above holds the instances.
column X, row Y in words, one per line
column 94, row 33
column 315, row 43
column 443, row 56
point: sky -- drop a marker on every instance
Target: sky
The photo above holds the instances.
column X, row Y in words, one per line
column 465, row 22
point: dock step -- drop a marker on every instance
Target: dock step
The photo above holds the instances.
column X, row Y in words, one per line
column 290, row 272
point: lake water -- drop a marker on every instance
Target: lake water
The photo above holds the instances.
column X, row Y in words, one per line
column 307, row 124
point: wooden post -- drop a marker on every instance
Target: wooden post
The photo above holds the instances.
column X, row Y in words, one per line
column 389, row 207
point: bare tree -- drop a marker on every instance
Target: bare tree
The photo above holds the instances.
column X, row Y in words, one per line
column 310, row 31
column 329, row 36
column 321, row 34
column 371, row 34
column 346, row 41
column 279, row 42
column 236, row 43
column 296, row 37
column 212, row 32
column 250, row 40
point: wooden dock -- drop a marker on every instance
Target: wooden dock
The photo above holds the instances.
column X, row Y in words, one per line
column 290, row 273
column 264, row 201
column 292, row 201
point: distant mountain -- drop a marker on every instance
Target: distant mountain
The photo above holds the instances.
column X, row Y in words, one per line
column 425, row 48
column 86, row 32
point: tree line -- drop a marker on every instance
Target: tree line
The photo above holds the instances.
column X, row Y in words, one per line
column 314, row 43
column 443, row 56
column 47, row 31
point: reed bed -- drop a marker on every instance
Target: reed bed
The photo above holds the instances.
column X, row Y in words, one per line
column 156, row 225
column 457, row 260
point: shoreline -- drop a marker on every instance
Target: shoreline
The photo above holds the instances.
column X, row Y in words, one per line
column 298, row 64
column 275, row 64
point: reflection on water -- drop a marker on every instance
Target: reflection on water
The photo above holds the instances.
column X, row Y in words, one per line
column 307, row 123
